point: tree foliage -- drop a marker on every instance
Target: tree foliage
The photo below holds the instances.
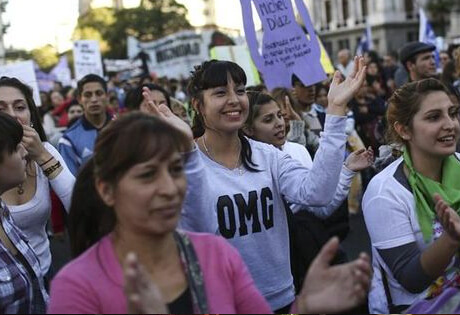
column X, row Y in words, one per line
column 46, row 57
column 151, row 20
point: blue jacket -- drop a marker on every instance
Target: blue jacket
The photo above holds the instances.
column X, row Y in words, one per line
column 77, row 144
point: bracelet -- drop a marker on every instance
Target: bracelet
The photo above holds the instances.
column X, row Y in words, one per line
column 52, row 157
column 51, row 169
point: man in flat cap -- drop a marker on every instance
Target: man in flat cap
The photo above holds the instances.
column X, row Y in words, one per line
column 418, row 59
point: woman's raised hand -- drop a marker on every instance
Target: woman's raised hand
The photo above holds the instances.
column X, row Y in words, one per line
column 448, row 218
column 360, row 159
column 340, row 93
column 142, row 295
column 288, row 111
column 163, row 112
column 332, row 289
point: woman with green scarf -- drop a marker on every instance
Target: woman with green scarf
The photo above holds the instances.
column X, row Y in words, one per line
column 410, row 208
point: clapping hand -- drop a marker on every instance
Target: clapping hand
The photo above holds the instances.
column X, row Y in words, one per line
column 360, row 159
column 448, row 218
column 340, row 93
column 332, row 289
column 143, row 296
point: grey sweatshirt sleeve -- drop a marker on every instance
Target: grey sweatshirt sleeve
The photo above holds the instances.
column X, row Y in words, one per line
column 195, row 217
column 406, row 267
column 317, row 186
column 341, row 193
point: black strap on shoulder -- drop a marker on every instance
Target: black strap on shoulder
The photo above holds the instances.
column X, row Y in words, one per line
column 387, row 289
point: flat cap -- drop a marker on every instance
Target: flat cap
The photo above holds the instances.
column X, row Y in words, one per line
column 413, row 48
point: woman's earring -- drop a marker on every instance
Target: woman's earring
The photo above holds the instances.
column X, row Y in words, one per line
column 31, row 124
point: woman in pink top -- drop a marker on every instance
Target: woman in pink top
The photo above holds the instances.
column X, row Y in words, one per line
column 139, row 174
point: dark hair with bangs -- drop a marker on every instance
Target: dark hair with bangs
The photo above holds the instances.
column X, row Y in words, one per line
column 132, row 139
column 11, row 133
column 28, row 95
column 212, row 74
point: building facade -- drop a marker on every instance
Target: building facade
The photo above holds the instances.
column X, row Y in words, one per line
column 341, row 23
column 453, row 35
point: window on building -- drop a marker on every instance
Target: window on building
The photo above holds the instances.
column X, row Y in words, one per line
column 409, row 7
column 328, row 47
column 327, row 5
column 206, row 12
column 346, row 12
column 412, row 36
column 344, row 44
column 364, row 8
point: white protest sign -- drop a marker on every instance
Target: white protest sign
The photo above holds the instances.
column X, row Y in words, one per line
column 62, row 71
column 87, row 58
column 241, row 56
column 24, row 71
column 175, row 55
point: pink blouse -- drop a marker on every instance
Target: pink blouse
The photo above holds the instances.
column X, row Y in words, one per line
column 93, row 283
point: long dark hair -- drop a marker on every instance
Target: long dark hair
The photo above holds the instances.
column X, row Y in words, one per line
column 28, row 94
column 211, row 74
column 89, row 218
column 115, row 153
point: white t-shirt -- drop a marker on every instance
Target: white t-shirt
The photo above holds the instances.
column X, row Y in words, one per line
column 391, row 220
column 31, row 218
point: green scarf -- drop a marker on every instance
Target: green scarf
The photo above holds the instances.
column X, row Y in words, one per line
column 424, row 188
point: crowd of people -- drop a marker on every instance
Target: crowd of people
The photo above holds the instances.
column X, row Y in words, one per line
column 205, row 195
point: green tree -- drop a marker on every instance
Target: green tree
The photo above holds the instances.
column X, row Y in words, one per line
column 151, row 20
column 440, row 11
column 46, row 57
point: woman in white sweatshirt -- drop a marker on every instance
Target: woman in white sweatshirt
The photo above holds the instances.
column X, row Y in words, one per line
column 239, row 194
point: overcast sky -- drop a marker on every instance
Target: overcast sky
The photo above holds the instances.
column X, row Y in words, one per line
column 35, row 23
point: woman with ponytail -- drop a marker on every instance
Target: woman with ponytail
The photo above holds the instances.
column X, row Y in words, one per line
column 411, row 207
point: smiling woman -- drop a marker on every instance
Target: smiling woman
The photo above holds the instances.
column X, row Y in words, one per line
column 415, row 251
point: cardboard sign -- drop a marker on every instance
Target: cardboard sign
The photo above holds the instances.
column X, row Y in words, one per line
column 173, row 56
column 241, row 56
column 286, row 50
column 87, row 58
column 24, row 71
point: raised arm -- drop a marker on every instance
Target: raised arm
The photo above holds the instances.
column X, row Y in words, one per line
column 317, row 186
